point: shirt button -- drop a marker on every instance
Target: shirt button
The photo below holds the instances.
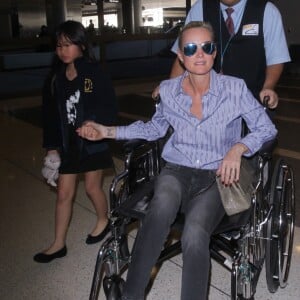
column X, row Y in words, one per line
column 197, row 161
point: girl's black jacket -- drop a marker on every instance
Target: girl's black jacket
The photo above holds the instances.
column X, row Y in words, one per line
column 97, row 102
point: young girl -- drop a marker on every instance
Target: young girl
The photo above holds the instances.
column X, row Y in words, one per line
column 77, row 90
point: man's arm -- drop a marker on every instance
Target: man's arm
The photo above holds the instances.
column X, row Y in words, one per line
column 277, row 52
column 177, row 69
column 273, row 74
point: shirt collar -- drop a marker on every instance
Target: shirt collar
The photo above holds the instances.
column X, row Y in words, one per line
column 238, row 7
column 213, row 85
column 178, row 89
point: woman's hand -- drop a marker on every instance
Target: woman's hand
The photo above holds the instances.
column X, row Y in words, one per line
column 229, row 169
column 94, row 132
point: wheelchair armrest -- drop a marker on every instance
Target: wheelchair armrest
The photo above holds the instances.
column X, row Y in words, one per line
column 267, row 149
column 134, row 144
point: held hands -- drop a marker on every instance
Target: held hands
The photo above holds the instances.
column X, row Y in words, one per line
column 273, row 97
column 94, row 132
column 229, row 170
column 51, row 166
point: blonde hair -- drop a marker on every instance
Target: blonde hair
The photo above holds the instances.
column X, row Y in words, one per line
column 195, row 24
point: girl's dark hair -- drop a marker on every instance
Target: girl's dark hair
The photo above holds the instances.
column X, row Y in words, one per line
column 75, row 32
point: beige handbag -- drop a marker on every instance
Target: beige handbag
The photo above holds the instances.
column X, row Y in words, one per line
column 237, row 197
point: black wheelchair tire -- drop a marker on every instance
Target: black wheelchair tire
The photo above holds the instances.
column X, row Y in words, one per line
column 280, row 227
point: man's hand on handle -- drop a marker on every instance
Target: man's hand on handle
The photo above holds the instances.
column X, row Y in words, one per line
column 272, row 97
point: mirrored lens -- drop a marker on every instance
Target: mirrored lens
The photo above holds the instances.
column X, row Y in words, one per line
column 191, row 48
column 208, row 48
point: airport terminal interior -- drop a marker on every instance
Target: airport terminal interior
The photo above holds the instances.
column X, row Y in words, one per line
column 27, row 202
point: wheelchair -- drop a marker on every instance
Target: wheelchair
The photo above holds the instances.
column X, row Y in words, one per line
column 242, row 243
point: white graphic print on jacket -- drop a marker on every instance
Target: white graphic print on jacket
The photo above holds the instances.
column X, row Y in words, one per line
column 71, row 108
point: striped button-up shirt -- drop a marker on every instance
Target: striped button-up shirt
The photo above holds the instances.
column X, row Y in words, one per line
column 203, row 143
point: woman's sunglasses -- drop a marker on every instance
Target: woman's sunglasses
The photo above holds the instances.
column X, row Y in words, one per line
column 191, row 48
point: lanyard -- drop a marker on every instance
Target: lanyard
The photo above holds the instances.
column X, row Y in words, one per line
column 222, row 51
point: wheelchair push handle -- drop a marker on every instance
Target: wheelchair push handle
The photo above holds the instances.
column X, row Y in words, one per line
column 265, row 102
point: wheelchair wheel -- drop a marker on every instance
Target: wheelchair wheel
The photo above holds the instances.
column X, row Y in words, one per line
column 113, row 287
column 112, row 258
column 258, row 242
column 280, row 227
column 103, row 258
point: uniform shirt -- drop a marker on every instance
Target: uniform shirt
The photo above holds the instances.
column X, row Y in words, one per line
column 203, row 143
column 275, row 41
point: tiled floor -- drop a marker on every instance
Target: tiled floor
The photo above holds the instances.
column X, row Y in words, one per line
column 27, row 220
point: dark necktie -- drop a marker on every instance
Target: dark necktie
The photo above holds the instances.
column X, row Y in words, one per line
column 229, row 21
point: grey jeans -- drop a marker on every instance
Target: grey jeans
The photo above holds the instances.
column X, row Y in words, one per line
column 195, row 193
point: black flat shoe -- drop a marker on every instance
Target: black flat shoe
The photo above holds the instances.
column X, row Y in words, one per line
column 98, row 238
column 46, row 258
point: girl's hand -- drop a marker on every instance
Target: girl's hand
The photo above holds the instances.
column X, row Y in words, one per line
column 229, row 170
column 94, row 132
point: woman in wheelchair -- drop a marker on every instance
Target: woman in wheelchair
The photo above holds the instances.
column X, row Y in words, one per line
column 205, row 110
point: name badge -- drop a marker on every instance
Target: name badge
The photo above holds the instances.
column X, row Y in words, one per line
column 250, row 29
